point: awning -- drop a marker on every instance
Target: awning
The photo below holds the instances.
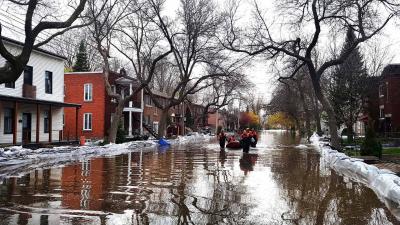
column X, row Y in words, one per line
column 37, row 101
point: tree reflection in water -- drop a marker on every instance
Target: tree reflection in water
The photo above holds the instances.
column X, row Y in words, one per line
column 193, row 184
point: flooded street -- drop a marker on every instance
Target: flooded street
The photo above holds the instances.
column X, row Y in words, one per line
column 194, row 184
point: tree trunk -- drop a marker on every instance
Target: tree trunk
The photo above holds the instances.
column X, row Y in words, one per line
column 317, row 116
column 306, row 113
column 350, row 133
column 162, row 129
column 112, row 131
column 335, row 141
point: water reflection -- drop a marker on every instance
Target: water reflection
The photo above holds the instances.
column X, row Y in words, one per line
column 197, row 184
column 247, row 162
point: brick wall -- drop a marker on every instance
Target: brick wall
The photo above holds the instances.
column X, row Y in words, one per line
column 74, row 93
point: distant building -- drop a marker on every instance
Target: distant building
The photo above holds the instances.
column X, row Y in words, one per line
column 370, row 108
column 181, row 118
column 389, row 99
column 32, row 107
column 95, row 116
column 216, row 118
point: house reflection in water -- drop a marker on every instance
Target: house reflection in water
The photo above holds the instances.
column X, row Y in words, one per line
column 83, row 185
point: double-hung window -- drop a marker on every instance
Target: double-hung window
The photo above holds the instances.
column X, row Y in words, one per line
column 8, row 120
column 48, row 82
column 88, row 92
column 87, row 121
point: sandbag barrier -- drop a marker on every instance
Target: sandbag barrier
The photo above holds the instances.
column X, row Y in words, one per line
column 383, row 182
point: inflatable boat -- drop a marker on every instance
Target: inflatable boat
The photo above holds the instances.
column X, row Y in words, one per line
column 234, row 145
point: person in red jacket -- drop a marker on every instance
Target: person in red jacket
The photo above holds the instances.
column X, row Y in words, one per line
column 246, row 140
column 222, row 139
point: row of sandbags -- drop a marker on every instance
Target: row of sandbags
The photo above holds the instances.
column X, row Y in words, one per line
column 384, row 182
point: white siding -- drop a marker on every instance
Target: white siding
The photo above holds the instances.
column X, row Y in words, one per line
column 57, row 126
column 40, row 63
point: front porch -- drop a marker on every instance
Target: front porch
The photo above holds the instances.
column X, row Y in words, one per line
column 32, row 122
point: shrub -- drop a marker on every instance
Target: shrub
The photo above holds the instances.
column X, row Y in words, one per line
column 371, row 146
column 120, row 135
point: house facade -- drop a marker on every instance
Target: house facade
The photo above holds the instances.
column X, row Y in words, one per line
column 32, row 107
column 182, row 118
column 96, row 113
column 216, row 119
column 389, row 100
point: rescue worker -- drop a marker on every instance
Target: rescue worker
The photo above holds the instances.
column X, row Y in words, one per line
column 254, row 138
column 222, row 139
column 246, row 140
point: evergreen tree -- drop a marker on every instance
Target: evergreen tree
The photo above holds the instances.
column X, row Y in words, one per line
column 81, row 63
column 348, row 86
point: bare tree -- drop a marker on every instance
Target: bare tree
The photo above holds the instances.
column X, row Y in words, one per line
column 68, row 44
column 192, row 39
column 366, row 19
column 222, row 92
column 44, row 12
column 119, row 17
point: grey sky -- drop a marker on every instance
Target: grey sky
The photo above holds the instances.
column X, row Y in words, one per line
column 259, row 71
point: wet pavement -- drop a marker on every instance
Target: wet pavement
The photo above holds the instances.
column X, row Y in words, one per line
column 194, row 184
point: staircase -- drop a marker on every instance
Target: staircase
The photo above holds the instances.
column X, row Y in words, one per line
column 148, row 128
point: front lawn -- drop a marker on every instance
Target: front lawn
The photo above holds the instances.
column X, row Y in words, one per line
column 391, row 151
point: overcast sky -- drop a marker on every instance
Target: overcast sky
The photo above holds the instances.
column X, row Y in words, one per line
column 259, row 71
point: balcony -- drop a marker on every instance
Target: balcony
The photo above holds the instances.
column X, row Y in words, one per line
column 134, row 106
column 29, row 91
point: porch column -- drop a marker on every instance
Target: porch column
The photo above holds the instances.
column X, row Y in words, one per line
column 76, row 122
column 130, row 123
column 50, row 123
column 141, row 123
column 141, row 114
column 15, row 123
column 130, row 100
column 37, row 122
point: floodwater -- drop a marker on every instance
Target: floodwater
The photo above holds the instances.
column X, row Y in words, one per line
column 194, row 184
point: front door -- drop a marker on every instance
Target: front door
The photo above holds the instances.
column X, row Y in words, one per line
column 26, row 127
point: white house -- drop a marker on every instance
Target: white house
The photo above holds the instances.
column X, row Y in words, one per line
column 32, row 107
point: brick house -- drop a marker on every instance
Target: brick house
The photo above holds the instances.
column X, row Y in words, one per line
column 152, row 114
column 95, row 116
column 181, row 118
column 215, row 119
column 389, row 99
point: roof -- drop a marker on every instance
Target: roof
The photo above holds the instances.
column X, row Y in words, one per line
column 391, row 70
column 15, row 42
column 85, row 73
column 37, row 101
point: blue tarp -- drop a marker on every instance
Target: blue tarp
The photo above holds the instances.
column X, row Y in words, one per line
column 163, row 142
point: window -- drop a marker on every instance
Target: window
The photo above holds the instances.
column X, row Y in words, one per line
column 381, row 90
column 10, row 85
column 87, row 121
column 381, row 113
column 387, row 91
column 8, row 120
column 46, row 121
column 28, row 75
column 48, row 82
column 88, row 92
